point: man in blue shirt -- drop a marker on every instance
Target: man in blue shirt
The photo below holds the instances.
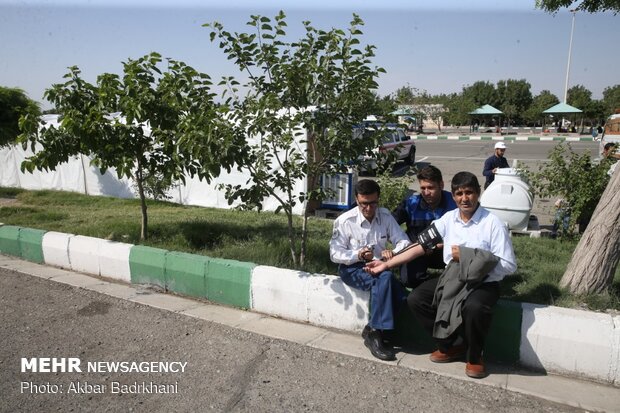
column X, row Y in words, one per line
column 494, row 162
column 418, row 211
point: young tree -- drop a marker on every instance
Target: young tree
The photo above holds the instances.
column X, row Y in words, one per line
column 321, row 83
column 168, row 120
column 13, row 104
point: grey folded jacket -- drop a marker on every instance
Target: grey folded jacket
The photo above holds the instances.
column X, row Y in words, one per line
column 454, row 285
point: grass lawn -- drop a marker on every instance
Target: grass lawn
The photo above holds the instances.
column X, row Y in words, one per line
column 261, row 238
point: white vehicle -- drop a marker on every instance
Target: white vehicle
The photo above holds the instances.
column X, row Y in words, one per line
column 611, row 131
column 394, row 140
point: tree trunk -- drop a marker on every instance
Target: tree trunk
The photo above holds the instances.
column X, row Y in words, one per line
column 291, row 236
column 304, row 239
column 594, row 261
column 139, row 181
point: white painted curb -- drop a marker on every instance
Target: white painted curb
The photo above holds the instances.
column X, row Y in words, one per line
column 332, row 303
column 114, row 260
column 571, row 342
column 280, row 292
column 84, row 254
column 322, row 300
column 55, row 247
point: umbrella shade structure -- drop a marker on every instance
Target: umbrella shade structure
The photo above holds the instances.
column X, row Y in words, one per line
column 402, row 112
column 562, row 109
column 486, row 110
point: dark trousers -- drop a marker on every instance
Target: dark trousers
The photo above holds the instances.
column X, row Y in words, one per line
column 415, row 272
column 476, row 311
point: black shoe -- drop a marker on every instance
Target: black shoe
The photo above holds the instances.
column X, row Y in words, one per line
column 374, row 342
column 387, row 336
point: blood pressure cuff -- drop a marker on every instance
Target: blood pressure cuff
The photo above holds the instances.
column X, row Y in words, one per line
column 429, row 238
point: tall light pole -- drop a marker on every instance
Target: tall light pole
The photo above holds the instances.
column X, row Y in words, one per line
column 570, row 49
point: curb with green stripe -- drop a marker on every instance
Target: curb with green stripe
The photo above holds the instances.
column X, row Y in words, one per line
column 22, row 242
column 534, row 336
column 509, row 138
column 219, row 280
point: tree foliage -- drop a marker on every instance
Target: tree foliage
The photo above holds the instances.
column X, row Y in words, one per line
column 590, row 6
column 13, row 104
column 574, row 178
column 543, row 101
column 515, row 97
column 611, row 99
column 482, row 93
column 321, row 84
column 149, row 123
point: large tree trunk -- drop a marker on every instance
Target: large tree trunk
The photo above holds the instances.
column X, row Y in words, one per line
column 594, row 261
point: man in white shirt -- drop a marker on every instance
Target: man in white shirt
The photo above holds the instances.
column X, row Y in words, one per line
column 359, row 236
column 469, row 227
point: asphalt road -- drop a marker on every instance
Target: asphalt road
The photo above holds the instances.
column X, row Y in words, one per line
column 226, row 369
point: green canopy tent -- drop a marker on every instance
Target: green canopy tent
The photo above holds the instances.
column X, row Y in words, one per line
column 486, row 110
column 404, row 114
column 562, row 109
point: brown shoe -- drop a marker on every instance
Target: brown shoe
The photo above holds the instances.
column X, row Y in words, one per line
column 475, row 371
column 452, row 354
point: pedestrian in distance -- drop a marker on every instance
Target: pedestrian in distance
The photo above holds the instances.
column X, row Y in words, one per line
column 361, row 235
column 418, row 211
column 457, row 308
column 494, row 162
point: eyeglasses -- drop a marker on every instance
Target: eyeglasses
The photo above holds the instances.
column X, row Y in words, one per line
column 368, row 204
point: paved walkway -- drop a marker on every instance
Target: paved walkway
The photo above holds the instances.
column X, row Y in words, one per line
column 569, row 391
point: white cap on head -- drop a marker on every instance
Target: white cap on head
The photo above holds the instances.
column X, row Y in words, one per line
column 500, row 145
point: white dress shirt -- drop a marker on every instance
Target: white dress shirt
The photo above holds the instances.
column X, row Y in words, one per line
column 353, row 232
column 483, row 231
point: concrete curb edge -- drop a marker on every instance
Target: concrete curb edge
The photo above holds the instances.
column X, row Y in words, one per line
column 547, row 338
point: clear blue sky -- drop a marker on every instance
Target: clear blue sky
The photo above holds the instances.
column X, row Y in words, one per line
column 436, row 46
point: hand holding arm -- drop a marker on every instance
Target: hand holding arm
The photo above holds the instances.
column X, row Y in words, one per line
column 377, row 267
column 387, row 254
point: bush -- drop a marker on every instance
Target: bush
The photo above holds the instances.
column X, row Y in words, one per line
column 574, row 178
column 394, row 188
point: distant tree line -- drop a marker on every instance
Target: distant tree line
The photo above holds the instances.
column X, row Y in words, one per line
column 513, row 97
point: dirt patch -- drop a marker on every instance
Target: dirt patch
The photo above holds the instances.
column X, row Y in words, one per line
column 9, row 202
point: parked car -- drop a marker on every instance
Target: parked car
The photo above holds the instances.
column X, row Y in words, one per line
column 394, row 142
column 611, row 131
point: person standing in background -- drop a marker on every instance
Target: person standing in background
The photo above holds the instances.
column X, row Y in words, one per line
column 494, row 162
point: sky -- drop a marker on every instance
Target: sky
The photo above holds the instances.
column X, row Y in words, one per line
column 436, row 46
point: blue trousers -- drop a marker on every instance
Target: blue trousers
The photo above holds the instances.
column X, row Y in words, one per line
column 386, row 293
